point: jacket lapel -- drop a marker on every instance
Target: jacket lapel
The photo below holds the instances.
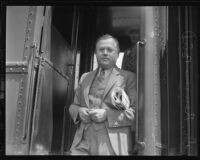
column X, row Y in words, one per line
column 113, row 78
column 88, row 81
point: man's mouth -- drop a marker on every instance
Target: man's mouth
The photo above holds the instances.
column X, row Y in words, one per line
column 105, row 59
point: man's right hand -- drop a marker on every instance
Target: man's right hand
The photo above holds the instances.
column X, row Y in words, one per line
column 84, row 115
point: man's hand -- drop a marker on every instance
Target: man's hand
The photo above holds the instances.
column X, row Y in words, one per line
column 98, row 115
column 84, row 115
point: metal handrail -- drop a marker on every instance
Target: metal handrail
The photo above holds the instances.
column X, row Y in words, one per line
column 139, row 145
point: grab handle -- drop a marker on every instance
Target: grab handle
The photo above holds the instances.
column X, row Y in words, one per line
column 139, row 145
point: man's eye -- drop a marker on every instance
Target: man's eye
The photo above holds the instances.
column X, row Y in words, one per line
column 101, row 49
column 109, row 50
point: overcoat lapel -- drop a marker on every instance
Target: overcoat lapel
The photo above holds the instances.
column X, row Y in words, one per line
column 87, row 84
column 112, row 80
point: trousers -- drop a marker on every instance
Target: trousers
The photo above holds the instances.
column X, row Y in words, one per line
column 94, row 142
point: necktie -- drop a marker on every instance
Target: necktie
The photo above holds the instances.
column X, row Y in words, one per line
column 102, row 75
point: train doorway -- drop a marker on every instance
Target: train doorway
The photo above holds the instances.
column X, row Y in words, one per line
column 145, row 35
column 140, row 30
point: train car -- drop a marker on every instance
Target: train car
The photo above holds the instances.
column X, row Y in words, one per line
column 48, row 48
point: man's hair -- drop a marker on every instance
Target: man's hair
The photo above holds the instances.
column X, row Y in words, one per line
column 108, row 36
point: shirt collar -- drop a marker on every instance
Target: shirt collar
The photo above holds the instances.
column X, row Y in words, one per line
column 107, row 71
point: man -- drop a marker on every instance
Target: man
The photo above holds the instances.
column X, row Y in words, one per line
column 104, row 105
column 129, row 60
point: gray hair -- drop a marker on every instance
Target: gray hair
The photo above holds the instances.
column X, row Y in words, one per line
column 108, row 36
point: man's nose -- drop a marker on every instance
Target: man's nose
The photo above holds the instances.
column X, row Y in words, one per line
column 105, row 51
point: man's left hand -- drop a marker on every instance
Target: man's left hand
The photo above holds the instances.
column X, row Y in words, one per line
column 98, row 115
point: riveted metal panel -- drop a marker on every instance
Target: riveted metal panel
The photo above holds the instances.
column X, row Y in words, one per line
column 16, row 67
column 42, row 115
column 41, row 129
column 16, row 23
column 154, row 31
column 15, row 101
column 23, row 29
column 52, row 91
column 21, row 69
column 28, row 42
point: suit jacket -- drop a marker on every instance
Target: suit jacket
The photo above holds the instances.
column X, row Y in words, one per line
column 118, row 123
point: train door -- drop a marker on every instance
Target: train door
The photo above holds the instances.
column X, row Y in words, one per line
column 39, row 77
column 22, row 39
column 55, row 82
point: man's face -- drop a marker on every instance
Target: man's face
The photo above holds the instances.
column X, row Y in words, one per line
column 106, row 53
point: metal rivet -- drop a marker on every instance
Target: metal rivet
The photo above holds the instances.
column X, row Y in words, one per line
column 19, row 108
column 28, row 30
column 31, row 13
column 19, row 104
column 30, row 21
column 23, row 69
column 19, row 111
